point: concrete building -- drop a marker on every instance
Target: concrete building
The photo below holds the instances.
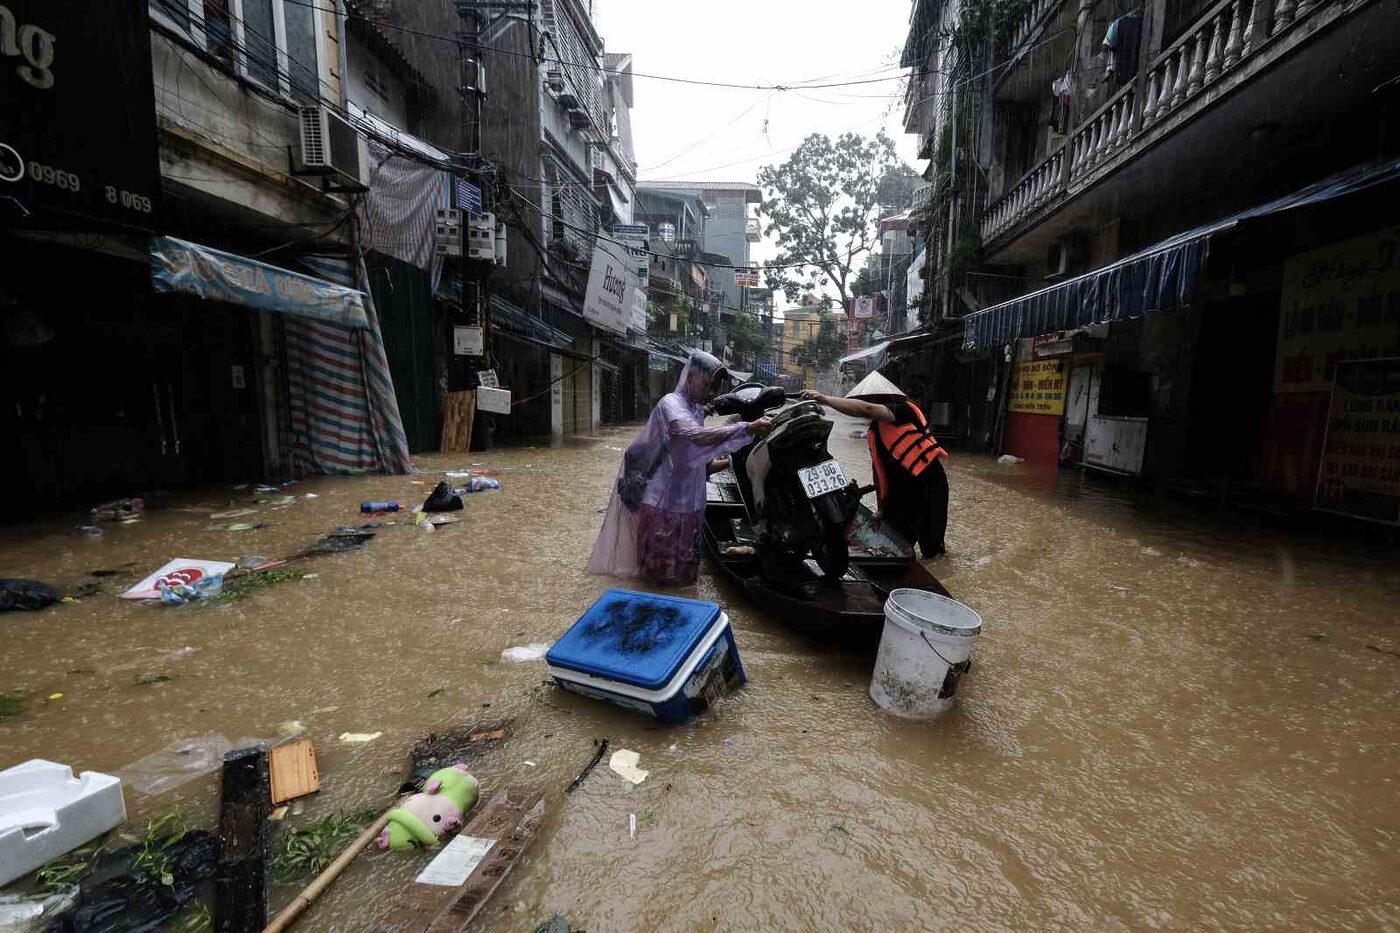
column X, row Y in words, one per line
column 556, row 122
column 1093, row 173
column 731, row 228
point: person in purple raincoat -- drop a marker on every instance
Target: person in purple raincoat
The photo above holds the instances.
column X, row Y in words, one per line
column 652, row 529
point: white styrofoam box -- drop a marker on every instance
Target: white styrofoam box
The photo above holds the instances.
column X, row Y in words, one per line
column 45, row 811
column 493, row 400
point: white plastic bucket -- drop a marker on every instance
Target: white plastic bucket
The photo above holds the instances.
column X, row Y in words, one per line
column 925, row 649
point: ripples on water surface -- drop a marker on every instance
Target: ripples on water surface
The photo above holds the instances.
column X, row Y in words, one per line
column 1173, row 720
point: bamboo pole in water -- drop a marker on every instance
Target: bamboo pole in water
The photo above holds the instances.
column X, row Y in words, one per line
column 316, row 888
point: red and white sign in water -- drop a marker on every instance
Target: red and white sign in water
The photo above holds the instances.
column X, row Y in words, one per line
column 186, row 570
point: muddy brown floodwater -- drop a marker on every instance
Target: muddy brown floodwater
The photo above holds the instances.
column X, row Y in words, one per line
column 1174, row 719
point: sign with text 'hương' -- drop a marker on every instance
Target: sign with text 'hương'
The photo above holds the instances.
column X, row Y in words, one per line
column 611, row 278
column 1340, row 302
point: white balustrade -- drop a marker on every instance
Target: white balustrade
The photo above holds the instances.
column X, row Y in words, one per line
column 1216, row 44
column 1035, row 188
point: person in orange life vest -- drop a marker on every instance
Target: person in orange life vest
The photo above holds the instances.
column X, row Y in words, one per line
column 909, row 479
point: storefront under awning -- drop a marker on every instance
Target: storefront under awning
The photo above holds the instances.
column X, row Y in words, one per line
column 517, row 322
column 873, row 356
column 1162, row 277
column 181, row 266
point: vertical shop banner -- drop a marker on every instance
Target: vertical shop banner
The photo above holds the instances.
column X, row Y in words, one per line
column 608, row 302
column 1038, row 387
column 639, row 310
column 1341, row 302
column 1360, row 473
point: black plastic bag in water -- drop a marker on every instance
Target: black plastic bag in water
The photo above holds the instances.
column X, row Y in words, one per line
column 122, row 897
column 443, row 498
column 26, row 594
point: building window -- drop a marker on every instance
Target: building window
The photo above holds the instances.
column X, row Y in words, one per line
column 260, row 41
column 299, row 22
column 272, row 42
column 176, row 11
column 216, row 27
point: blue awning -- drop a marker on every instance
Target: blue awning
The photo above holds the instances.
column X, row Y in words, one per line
column 180, row 266
column 1160, row 278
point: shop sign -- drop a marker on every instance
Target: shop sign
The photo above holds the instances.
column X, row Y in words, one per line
column 468, row 197
column 1038, row 387
column 468, row 341
column 1360, row 471
column 863, row 308
column 639, row 311
column 1341, row 302
column 607, row 303
column 77, row 112
column 746, row 278
column 1058, row 343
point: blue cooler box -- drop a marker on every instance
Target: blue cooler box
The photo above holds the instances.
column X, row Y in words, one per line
column 668, row 657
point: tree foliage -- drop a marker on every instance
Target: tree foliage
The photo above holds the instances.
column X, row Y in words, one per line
column 747, row 336
column 822, row 207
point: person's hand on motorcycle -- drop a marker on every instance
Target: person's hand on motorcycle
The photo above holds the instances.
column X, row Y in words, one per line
column 761, row 426
column 812, row 395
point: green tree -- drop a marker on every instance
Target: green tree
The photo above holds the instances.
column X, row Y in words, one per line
column 746, row 334
column 822, row 207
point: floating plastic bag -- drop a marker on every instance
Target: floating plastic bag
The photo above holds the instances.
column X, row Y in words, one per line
column 522, row 653
column 177, row 594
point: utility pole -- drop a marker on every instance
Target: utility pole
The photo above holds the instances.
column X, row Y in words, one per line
column 474, row 278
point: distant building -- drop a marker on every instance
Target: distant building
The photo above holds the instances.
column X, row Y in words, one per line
column 730, row 227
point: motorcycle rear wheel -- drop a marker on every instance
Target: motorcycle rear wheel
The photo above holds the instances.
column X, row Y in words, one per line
column 831, row 551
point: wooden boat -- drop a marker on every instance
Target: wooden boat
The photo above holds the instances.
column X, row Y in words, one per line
column 851, row 609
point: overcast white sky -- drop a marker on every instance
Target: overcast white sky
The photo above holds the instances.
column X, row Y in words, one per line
column 722, row 134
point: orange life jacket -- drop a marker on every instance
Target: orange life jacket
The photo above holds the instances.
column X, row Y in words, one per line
column 911, row 446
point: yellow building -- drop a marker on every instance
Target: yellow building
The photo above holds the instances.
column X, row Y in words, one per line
column 801, row 325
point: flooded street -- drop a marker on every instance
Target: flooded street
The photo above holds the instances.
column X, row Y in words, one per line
column 1173, row 720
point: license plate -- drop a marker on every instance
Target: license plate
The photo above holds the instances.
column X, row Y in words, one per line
column 821, row 479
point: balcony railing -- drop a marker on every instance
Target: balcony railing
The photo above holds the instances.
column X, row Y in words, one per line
column 1041, row 184
column 1106, row 131
column 1034, row 15
column 1221, row 40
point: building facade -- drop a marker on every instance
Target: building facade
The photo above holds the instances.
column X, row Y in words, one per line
column 1118, row 211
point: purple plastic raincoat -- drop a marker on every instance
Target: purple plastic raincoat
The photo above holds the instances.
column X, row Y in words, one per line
column 652, row 529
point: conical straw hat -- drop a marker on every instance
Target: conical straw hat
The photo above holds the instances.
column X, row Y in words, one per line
column 875, row 386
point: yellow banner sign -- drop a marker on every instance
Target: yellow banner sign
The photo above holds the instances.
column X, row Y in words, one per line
column 1341, row 302
column 1038, row 387
column 1360, row 472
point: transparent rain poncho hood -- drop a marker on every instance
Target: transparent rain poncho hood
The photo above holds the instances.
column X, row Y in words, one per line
column 652, row 528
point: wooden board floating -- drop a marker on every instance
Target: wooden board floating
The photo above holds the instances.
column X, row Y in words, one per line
column 293, row 770
column 452, row 889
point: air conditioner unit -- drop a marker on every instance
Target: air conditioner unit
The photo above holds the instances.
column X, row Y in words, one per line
column 554, row 80
column 447, row 239
column 481, row 237
column 578, row 118
column 501, row 240
column 330, row 145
